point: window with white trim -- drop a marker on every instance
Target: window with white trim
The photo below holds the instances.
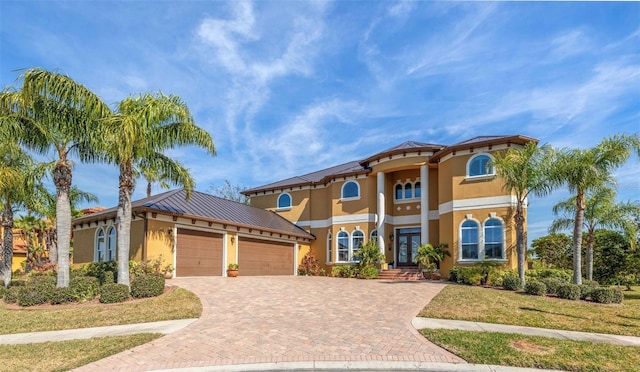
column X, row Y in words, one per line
column 480, row 165
column 342, row 243
column 493, row 239
column 374, row 236
column 357, row 240
column 469, row 240
column 284, row 201
column 111, row 244
column 329, row 248
column 100, row 248
column 399, row 193
column 408, row 191
column 351, row 190
column 416, row 190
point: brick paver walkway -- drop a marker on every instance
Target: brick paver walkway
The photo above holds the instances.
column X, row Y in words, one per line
column 286, row 319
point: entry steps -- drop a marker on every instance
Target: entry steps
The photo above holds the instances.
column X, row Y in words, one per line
column 401, row 273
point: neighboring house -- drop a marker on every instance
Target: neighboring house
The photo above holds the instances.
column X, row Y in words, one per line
column 199, row 236
column 405, row 196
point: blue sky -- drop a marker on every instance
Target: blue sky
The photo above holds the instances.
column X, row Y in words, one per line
column 290, row 87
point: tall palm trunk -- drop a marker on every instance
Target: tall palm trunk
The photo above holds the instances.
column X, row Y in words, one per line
column 7, row 246
column 589, row 264
column 62, row 180
column 148, row 189
column 51, row 241
column 123, row 220
column 520, row 244
column 577, row 238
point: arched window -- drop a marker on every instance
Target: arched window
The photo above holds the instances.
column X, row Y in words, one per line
column 329, row 248
column 111, row 244
column 398, row 192
column 469, row 240
column 480, row 165
column 284, row 201
column 416, row 190
column 357, row 240
column 100, row 246
column 374, row 236
column 408, row 191
column 343, row 246
column 493, row 239
column 350, row 189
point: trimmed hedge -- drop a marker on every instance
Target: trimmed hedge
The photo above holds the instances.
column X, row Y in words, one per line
column 552, row 284
column 540, row 274
column 535, row 288
column 147, row 285
column 113, row 292
column 368, row 272
column 62, row 296
column 569, row 291
column 606, row 295
column 511, row 283
column 345, row 271
column 2, row 290
column 84, row 287
column 11, row 295
column 38, row 290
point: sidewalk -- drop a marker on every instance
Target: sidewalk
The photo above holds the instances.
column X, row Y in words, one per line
column 420, row 323
column 164, row 327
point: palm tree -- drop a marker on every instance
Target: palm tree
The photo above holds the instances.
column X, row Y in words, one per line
column 46, row 207
column 57, row 114
column 136, row 137
column 153, row 176
column 588, row 169
column 601, row 211
column 523, row 172
column 15, row 192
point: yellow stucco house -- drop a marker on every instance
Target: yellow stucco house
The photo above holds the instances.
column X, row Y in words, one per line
column 402, row 197
column 199, row 236
column 405, row 196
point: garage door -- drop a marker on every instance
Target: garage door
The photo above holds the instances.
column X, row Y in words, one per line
column 260, row 257
column 198, row 253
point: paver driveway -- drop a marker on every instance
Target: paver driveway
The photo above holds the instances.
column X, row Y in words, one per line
column 284, row 319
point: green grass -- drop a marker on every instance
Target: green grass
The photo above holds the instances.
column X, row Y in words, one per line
column 66, row 355
column 535, row 352
column 506, row 307
column 177, row 304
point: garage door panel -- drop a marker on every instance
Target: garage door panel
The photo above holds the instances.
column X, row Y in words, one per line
column 262, row 257
column 198, row 253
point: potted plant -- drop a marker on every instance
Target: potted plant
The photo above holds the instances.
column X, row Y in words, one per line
column 428, row 259
column 168, row 271
column 232, row 270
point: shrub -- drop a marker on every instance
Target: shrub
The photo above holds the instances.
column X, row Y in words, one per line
column 535, row 288
column 149, row 285
column 552, row 284
column 17, row 283
column 368, row 272
column 2, row 290
column 606, row 295
column 470, row 275
column 453, row 274
column 113, row 292
column 496, row 277
column 38, row 290
column 309, row 265
column 586, row 288
column 569, row 291
column 511, row 283
column 11, row 295
column 564, row 275
column 345, row 271
column 104, row 271
column 62, row 296
column 84, row 287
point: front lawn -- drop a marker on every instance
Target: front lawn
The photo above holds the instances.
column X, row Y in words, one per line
column 66, row 355
column 176, row 304
column 535, row 352
column 515, row 308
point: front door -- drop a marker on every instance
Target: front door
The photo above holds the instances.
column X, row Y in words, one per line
column 407, row 241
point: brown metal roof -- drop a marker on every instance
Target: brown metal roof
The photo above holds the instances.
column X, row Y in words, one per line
column 362, row 166
column 207, row 207
column 482, row 141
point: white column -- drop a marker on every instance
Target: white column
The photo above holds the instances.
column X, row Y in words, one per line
column 424, row 204
column 381, row 212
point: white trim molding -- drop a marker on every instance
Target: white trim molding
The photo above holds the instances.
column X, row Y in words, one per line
column 478, row 203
